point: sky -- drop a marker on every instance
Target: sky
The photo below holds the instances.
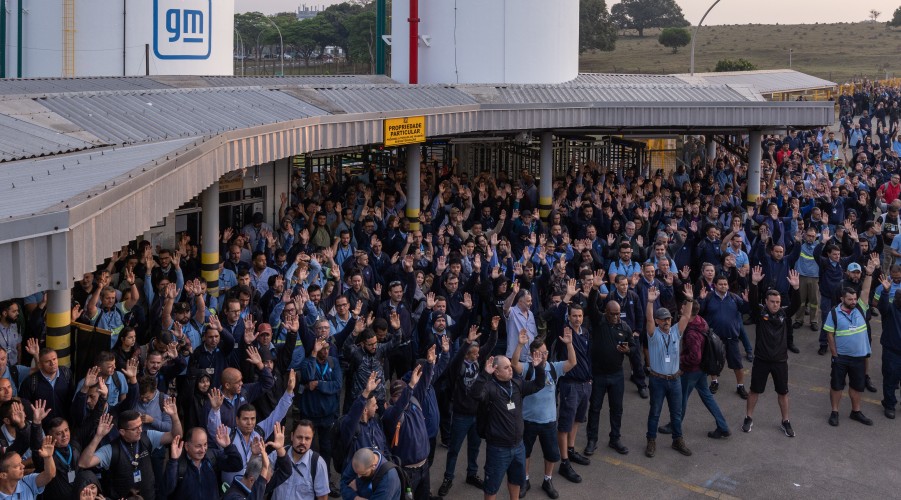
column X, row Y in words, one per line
column 727, row 12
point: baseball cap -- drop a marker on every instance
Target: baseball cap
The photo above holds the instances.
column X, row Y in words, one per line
column 854, row 266
column 264, row 327
column 662, row 313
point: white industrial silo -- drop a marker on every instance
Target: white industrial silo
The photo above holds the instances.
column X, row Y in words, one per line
column 488, row 41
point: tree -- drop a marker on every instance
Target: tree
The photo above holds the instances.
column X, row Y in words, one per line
column 734, row 65
column 643, row 14
column 361, row 39
column 338, row 16
column 674, row 38
column 896, row 20
column 874, row 14
column 596, row 30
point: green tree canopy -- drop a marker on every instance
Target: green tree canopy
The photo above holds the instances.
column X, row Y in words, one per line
column 596, row 30
column 896, row 19
column 643, row 14
column 674, row 38
column 734, row 65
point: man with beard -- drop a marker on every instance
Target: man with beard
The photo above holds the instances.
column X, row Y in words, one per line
column 309, row 474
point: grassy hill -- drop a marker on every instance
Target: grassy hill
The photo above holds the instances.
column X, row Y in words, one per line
column 836, row 52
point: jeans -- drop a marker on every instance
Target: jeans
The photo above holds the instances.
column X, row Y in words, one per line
column 463, row 427
column 613, row 386
column 671, row 390
column 698, row 380
column 891, row 376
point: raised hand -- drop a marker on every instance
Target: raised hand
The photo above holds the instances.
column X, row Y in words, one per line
column 222, row 438
column 278, row 436
column 688, row 292
column 489, row 366
column 47, row 447
column 216, row 398
column 257, row 447
column 33, row 347
column 291, row 383
column 431, row 356
column 416, row 375
column 131, row 369
column 177, row 447
column 430, row 300
column 653, row 294
column 886, row 284
column 757, row 275
column 794, row 278
column 704, row 292
column 567, row 337
column 105, row 425
column 169, row 407
column 445, row 344
column 214, row 322
column 90, row 378
column 394, row 320
column 495, row 322
column 372, row 383
column 39, row 410
column 249, row 325
column 253, row 356
column 467, row 301
column 537, row 359
column 872, row 263
column 523, row 337
column 474, row 333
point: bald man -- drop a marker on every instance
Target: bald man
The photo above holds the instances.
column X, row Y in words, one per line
column 236, row 393
column 611, row 342
column 370, row 466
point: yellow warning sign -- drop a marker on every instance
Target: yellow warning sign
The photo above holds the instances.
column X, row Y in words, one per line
column 402, row 131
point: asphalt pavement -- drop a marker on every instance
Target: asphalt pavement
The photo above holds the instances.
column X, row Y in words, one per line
column 823, row 462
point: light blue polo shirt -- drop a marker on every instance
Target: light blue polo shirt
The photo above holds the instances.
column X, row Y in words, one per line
column 620, row 267
column 850, row 332
column 541, row 407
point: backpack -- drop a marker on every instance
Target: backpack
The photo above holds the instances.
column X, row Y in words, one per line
column 389, row 462
column 713, row 354
column 340, row 445
column 862, row 313
column 530, row 371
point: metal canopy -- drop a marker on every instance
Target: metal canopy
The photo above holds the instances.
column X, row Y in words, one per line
column 50, row 240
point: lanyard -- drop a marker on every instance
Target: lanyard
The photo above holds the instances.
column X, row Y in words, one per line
column 666, row 342
column 67, row 460
column 508, row 392
column 323, row 371
column 137, row 452
column 244, row 448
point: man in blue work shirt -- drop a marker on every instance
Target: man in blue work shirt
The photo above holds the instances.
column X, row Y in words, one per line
column 846, row 329
column 663, row 358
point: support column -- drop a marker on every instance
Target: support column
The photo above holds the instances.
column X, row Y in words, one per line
column 755, row 153
column 209, row 252
column 546, row 172
column 414, row 198
column 711, row 148
column 59, row 319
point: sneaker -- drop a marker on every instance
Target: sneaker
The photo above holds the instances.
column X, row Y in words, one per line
column 718, row 434
column 590, row 447
column 860, row 417
column 792, row 348
column 787, row 428
column 714, row 386
column 525, row 489
column 643, row 392
column 548, row 487
column 566, row 470
column 748, row 423
column 651, row 448
column 833, row 419
column 619, row 447
column 475, row 481
column 679, row 445
column 577, row 458
column 797, row 324
column 868, row 383
column 822, row 350
column 890, row 413
column 446, row 485
column 742, row 393
column 666, row 429
column 815, row 327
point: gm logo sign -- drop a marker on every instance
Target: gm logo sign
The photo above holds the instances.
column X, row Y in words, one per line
column 182, row 29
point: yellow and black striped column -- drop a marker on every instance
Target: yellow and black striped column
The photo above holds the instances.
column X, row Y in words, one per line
column 209, row 251
column 414, row 198
column 546, row 176
column 59, row 328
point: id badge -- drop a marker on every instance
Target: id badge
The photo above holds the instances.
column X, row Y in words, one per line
column 137, row 476
column 70, row 476
column 666, row 359
column 511, row 406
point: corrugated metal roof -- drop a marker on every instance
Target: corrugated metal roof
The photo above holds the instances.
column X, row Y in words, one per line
column 622, row 79
column 765, row 81
column 12, row 86
column 238, row 81
column 365, row 99
column 28, row 187
column 20, row 139
column 522, row 94
column 135, row 117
